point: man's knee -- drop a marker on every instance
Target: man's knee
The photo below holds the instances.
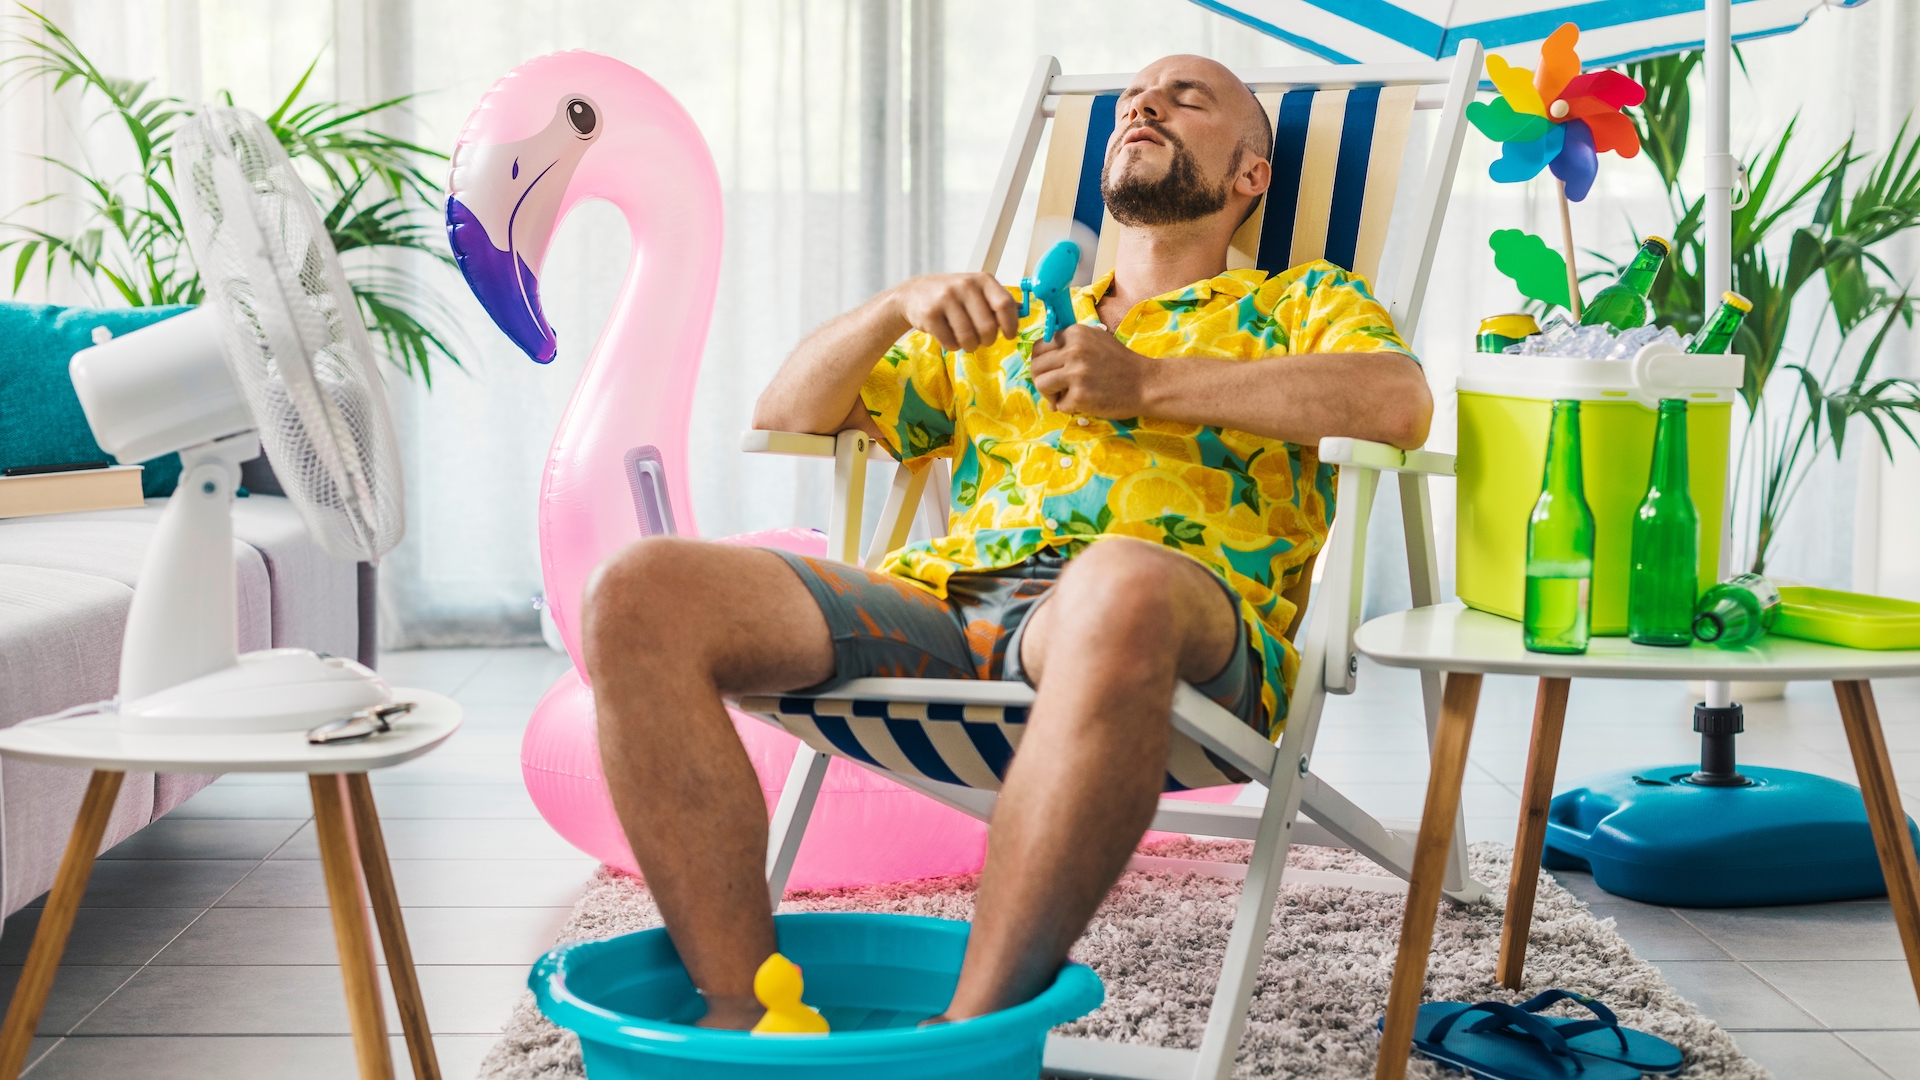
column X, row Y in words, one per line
column 626, row 595
column 1128, row 585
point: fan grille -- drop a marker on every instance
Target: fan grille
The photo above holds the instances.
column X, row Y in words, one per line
column 291, row 331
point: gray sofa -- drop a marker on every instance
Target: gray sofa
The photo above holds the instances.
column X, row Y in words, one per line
column 66, row 581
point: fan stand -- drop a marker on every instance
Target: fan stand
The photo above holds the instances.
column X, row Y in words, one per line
column 180, row 667
column 1717, row 836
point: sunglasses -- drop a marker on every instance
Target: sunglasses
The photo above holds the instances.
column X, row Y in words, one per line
column 364, row 724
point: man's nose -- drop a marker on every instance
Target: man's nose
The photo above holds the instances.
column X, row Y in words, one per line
column 1146, row 105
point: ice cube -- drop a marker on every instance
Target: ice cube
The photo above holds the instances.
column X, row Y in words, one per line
column 1586, row 343
column 1630, row 342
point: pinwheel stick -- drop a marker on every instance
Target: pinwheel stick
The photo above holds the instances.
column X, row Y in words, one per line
column 1566, row 239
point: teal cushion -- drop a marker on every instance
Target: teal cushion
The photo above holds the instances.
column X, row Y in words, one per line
column 41, row 422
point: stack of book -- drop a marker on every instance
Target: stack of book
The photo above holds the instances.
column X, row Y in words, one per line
column 62, row 489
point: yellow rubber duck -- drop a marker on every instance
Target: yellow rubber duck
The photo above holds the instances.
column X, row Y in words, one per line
column 778, row 986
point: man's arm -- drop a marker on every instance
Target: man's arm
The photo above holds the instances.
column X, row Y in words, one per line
column 818, row 389
column 1380, row 396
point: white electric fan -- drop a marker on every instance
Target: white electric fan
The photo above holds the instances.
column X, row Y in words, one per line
column 276, row 355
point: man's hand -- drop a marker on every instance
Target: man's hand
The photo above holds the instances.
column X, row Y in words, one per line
column 1086, row 370
column 961, row 311
column 1299, row 399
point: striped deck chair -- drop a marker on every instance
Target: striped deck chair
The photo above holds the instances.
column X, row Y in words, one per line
column 1339, row 137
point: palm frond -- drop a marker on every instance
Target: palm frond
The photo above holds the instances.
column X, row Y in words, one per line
column 374, row 190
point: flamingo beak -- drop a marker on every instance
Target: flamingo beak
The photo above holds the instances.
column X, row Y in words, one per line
column 504, row 203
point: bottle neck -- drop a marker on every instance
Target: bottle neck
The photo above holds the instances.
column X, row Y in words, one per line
column 1563, row 448
column 1718, row 333
column 1640, row 273
column 1670, row 448
column 1724, row 619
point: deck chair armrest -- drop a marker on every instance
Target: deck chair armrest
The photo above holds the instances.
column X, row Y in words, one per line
column 1373, row 455
column 850, row 451
column 800, row 444
column 1360, row 463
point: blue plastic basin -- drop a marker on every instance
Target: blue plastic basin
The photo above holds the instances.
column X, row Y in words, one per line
column 874, row 977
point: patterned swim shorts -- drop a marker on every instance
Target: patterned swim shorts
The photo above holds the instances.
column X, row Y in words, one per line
column 885, row 626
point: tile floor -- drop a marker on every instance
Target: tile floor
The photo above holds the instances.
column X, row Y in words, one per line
column 204, row 948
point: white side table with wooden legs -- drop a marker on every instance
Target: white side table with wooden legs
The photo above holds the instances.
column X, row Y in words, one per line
column 344, row 819
column 1467, row 645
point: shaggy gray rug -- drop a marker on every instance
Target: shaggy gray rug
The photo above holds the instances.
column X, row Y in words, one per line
column 1159, row 939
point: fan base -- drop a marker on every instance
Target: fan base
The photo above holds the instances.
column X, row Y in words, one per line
column 270, row 690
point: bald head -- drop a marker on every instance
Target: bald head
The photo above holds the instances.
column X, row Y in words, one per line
column 1190, row 141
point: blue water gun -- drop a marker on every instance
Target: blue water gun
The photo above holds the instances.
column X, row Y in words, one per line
column 1051, row 282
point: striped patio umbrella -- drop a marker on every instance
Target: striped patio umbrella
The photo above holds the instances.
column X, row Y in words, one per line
column 1385, row 31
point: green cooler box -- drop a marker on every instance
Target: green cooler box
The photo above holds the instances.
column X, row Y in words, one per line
column 1505, row 403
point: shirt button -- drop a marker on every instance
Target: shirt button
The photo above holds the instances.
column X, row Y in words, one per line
column 1052, row 524
column 1066, row 462
column 1081, row 420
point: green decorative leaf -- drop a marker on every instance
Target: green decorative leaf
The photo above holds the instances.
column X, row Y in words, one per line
column 1498, row 121
column 1539, row 271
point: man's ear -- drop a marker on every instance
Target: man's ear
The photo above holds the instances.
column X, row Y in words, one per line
column 1254, row 176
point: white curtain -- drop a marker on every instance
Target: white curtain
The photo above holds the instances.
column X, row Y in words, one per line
column 855, row 140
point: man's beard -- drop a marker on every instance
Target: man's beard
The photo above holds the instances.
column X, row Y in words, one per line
column 1179, row 196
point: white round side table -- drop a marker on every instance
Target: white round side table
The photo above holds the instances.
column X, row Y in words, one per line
column 345, row 820
column 1467, row 645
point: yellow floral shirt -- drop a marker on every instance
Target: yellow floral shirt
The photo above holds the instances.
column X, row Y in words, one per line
column 1251, row 508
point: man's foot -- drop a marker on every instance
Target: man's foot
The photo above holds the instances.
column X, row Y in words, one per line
column 731, row 1014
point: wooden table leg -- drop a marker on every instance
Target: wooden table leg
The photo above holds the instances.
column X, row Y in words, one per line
column 1543, row 755
column 1884, row 814
column 393, row 931
column 56, row 921
column 1449, row 768
column 350, row 935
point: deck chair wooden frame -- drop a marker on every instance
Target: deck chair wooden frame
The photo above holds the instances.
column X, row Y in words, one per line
column 1328, row 660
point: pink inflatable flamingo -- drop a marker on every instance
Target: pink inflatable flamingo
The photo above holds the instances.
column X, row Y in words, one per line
column 553, row 133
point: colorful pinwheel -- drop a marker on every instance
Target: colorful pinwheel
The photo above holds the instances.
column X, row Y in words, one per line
column 1556, row 118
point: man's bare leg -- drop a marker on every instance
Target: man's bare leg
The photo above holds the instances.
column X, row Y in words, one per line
column 671, row 625
column 1124, row 623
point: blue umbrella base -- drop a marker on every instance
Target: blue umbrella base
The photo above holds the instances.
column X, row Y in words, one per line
column 1785, row 838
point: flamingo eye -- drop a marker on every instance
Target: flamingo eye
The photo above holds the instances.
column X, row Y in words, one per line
column 581, row 116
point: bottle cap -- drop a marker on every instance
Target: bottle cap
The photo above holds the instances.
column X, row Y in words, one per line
column 1738, row 301
column 1661, row 240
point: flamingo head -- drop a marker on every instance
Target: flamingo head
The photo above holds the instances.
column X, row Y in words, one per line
column 509, row 188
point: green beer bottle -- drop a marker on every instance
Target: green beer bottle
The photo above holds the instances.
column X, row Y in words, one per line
column 1665, row 578
column 1737, row 612
column 1560, row 545
column 1623, row 305
column 1716, row 336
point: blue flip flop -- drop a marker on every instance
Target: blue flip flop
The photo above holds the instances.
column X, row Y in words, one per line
column 1603, row 1037
column 1505, row 1044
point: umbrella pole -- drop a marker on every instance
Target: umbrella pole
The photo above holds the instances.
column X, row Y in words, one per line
column 1566, row 246
column 1718, row 271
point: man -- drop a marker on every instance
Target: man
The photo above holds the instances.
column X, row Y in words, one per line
column 1190, row 424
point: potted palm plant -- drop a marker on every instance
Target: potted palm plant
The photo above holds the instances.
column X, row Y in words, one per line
column 1822, row 230
column 130, row 247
